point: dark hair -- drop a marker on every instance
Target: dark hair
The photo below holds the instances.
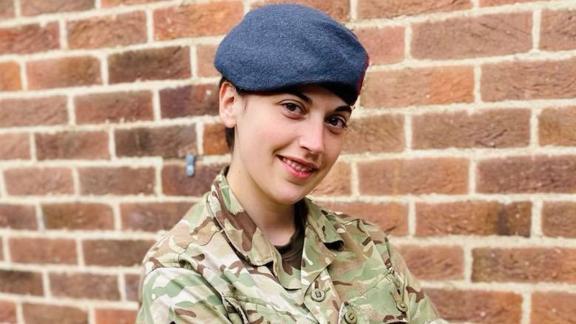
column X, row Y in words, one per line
column 339, row 90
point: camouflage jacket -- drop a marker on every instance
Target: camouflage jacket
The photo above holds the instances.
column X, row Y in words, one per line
column 216, row 266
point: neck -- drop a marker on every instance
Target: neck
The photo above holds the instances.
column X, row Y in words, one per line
column 275, row 220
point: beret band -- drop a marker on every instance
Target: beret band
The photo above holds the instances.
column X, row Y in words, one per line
column 287, row 45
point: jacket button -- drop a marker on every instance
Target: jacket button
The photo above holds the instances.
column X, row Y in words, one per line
column 402, row 307
column 350, row 317
column 318, row 295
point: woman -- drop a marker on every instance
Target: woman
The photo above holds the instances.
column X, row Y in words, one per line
column 255, row 249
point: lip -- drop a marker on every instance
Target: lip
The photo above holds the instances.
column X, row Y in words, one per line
column 298, row 173
column 309, row 165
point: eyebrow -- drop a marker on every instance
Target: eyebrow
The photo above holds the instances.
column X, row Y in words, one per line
column 345, row 108
column 299, row 94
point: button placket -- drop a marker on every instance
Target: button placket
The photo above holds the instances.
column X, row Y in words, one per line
column 350, row 317
column 321, row 299
column 318, row 295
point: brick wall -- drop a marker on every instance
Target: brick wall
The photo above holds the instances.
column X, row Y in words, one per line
column 462, row 146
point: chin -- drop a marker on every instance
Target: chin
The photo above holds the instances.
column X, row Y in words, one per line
column 290, row 197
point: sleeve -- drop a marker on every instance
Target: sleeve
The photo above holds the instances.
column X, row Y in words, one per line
column 177, row 295
column 419, row 307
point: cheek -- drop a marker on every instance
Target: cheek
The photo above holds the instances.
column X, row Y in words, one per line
column 274, row 133
column 333, row 147
column 264, row 133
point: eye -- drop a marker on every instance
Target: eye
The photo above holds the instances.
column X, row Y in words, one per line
column 293, row 108
column 337, row 122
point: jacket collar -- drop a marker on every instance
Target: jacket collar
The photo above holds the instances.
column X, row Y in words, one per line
column 247, row 239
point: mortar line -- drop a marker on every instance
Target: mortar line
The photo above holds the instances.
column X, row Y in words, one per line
column 353, row 10
column 536, row 220
column 23, row 75
column 62, row 26
column 526, row 307
column 536, row 26
column 149, row 26
column 411, row 218
column 17, row 8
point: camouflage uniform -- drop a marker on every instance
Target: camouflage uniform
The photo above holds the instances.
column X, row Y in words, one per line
column 215, row 265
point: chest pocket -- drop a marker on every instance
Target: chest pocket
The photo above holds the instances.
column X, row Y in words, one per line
column 245, row 310
column 381, row 303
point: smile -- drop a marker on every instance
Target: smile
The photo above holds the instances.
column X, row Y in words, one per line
column 298, row 169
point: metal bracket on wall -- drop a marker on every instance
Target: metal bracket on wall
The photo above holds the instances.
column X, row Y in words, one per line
column 190, row 164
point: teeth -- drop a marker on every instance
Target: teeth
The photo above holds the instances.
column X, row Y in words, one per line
column 297, row 166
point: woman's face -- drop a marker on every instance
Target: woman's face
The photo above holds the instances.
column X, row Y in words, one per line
column 285, row 143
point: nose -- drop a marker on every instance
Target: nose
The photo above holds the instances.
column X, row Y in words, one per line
column 312, row 136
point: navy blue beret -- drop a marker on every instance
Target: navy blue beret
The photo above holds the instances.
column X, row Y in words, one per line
column 286, row 45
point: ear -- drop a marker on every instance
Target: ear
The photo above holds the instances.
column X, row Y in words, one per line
column 229, row 103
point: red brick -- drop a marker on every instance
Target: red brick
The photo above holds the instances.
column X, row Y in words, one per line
column 111, row 253
column 7, row 308
column 434, row 262
column 72, row 145
column 150, row 64
column 44, row 313
column 38, row 7
column 78, row 216
column 558, row 31
column 115, row 316
column 473, row 218
column 167, row 142
column 41, row 250
column 63, row 72
column 116, row 181
column 390, row 217
column 384, row 45
column 29, row 39
column 194, row 20
column 18, row 216
column 337, row 182
column 10, row 76
column 524, row 265
column 14, row 146
column 528, row 80
column 478, row 306
column 557, row 126
column 132, row 282
column 152, row 217
column 6, row 11
column 337, row 9
column 559, row 219
column 553, row 307
column 214, row 140
column 424, row 86
column 205, row 60
column 85, row 285
column 527, row 175
column 466, row 37
column 108, row 31
column 115, row 107
column 488, row 129
column 375, row 134
column 38, row 181
column 111, row 3
column 175, row 182
column 21, row 282
column 195, row 100
column 393, row 8
column 488, row 3
column 33, row 112
column 417, row 176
